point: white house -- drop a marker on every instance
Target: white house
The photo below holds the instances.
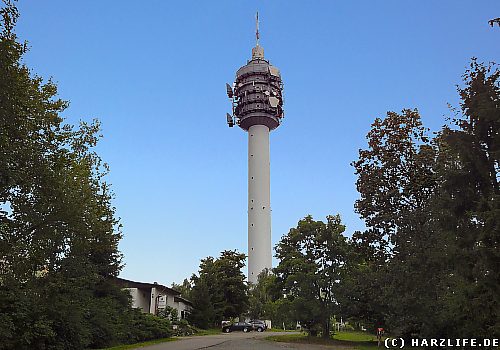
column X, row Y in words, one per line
column 151, row 297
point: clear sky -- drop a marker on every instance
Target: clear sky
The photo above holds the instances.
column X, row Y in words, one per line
column 154, row 73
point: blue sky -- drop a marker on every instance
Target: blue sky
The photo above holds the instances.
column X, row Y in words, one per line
column 154, row 73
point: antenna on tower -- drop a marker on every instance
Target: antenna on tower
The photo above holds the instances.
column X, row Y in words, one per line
column 257, row 36
column 491, row 22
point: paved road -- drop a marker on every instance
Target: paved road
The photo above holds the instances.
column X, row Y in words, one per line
column 231, row 341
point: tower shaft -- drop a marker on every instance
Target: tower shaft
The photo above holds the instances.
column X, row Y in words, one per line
column 259, row 202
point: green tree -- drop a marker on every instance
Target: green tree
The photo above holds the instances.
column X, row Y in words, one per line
column 431, row 208
column 58, row 231
column 313, row 264
column 203, row 314
column 469, row 204
column 232, row 283
column 220, row 290
column 184, row 288
column 262, row 296
column 396, row 181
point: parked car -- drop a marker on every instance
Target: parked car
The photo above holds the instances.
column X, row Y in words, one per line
column 238, row 326
column 258, row 325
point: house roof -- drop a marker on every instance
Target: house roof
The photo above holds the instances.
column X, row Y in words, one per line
column 133, row 284
column 184, row 300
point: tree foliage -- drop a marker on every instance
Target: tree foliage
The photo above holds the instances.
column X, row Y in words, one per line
column 58, row 230
column 184, row 288
column 314, row 260
column 262, row 296
column 220, row 290
column 432, row 214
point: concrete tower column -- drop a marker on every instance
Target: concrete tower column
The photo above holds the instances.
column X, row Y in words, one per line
column 259, row 202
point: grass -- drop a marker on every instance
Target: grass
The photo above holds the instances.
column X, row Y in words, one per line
column 140, row 345
column 345, row 340
column 211, row 331
column 355, row 336
column 280, row 330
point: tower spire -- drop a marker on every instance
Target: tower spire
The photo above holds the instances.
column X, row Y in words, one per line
column 257, row 51
column 257, row 36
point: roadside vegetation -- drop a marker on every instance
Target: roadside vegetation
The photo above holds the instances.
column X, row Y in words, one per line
column 341, row 340
column 141, row 344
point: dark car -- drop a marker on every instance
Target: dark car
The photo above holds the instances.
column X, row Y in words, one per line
column 238, row 326
column 258, row 325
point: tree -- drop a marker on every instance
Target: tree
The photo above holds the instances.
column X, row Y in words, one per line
column 262, row 297
column 203, row 314
column 396, row 181
column 431, row 208
column 313, row 263
column 184, row 288
column 232, row 283
column 220, row 291
column 58, row 231
column 469, row 203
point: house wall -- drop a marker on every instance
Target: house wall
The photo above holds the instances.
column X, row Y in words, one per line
column 183, row 307
column 154, row 300
column 170, row 301
column 166, row 299
column 140, row 298
column 148, row 300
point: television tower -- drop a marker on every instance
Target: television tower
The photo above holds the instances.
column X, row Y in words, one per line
column 257, row 101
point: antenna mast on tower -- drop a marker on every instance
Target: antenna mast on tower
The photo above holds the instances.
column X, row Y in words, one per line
column 257, row 36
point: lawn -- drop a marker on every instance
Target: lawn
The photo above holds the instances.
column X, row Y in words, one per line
column 210, row 331
column 355, row 336
column 280, row 330
column 140, row 345
column 346, row 340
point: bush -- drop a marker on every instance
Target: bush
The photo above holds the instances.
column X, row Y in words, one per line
column 348, row 327
column 182, row 328
column 147, row 327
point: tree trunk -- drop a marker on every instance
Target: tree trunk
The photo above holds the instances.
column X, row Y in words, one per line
column 326, row 329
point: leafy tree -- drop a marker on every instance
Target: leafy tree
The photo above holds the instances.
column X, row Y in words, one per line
column 231, row 283
column 431, row 208
column 203, row 314
column 58, row 231
column 261, row 295
column 266, row 302
column 220, row 291
column 469, row 204
column 185, row 288
column 313, row 263
column 396, row 181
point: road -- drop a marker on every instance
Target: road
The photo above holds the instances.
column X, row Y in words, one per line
column 231, row 341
